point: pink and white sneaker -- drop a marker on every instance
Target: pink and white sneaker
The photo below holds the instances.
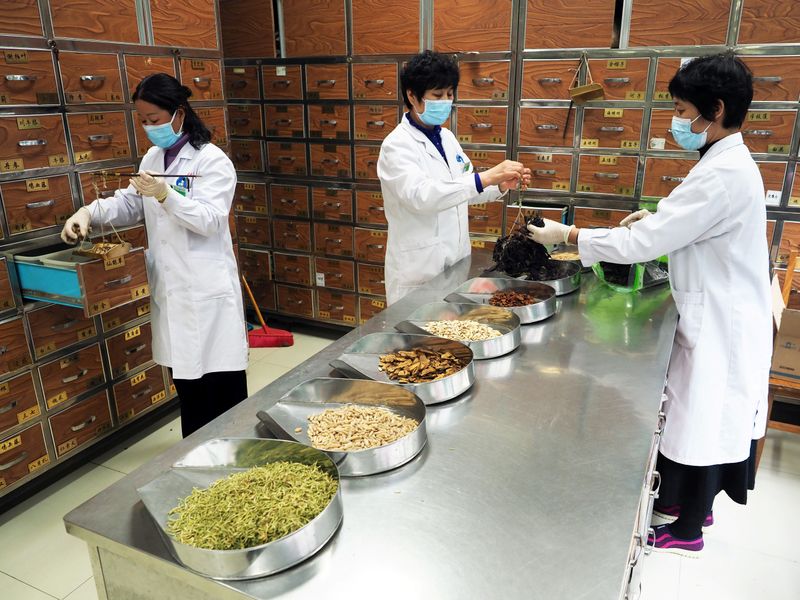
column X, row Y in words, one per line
column 665, row 541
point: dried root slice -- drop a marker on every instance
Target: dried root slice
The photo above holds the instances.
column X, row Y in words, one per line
column 466, row 330
column 419, row 365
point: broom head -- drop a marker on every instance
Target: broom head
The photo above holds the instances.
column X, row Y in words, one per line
column 268, row 337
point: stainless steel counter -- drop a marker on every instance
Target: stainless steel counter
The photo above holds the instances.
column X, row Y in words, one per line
column 528, row 487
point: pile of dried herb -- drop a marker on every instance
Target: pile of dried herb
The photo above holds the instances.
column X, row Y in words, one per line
column 616, row 273
column 352, row 427
column 253, row 507
column 516, row 255
column 512, row 298
column 419, row 365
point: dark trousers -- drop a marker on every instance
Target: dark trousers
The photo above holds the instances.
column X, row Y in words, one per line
column 203, row 400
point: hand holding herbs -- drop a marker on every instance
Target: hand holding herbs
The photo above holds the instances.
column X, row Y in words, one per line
column 517, row 254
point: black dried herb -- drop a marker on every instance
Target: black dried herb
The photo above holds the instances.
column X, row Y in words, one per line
column 517, row 255
column 616, row 273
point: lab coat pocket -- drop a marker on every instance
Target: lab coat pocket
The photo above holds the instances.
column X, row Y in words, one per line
column 210, row 278
column 422, row 261
column 690, row 308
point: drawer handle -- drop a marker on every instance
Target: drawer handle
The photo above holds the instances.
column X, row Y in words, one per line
column 481, row 125
column 297, row 301
column 330, row 161
column 144, row 392
column 290, row 201
column 381, row 281
column 290, row 159
column 7, row 407
column 373, row 82
column 239, row 84
column 101, row 137
column 135, row 349
column 612, row 129
column 27, row 143
column 93, row 77
column 773, row 79
column 550, row 80
column 292, row 270
column 617, row 80
column 3, row 350
column 201, row 79
column 84, row 425
column 292, row 235
column 120, row 281
column 241, row 121
column 376, row 246
column 376, row 208
column 326, row 82
column 42, row 204
column 376, row 124
column 334, row 240
column 22, row 77
column 282, row 83
column 247, row 198
column 332, row 204
column 672, row 178
column 282, row 122
column 6, row 466
column 545, row 172
column 548, row 127
column 332, row 308
column 335, row 275
column 328, row 122
column 607, row 175
column 63, row 325
column 483, row 81
column 758, row 132
column 479, row 217
column 75, row 377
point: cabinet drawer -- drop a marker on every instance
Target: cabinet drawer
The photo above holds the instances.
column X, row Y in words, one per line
column 662, row 175
column 18, row 401
column 214, row 119
column 130, row 349
column 794, row 198
column 37, row 203
column 248, row 28
column 332, row 204
column 484, row 125
column 285, row 120
column 107, row 20
column 286, row 158
column 773, row 174
column 68, row 377
column 32, row 142
column 330, row 160
column 293, row 268
column 667, row 69
column 293, row 235
column 569, row 24
column 375, row 81
column 264, row 293
column 334, row 240
column 371, row 244
column 27, row 77
column 769, row 131
column 366, row 166
column 141, row 142
column 789, row 239
column 282, row 82
column 660, row 137
column 622, row 78
column 81, row 423
column 461, row 26
column 139, row 67
column 125, row 314
column 545, row 127
column 246, row 155
column 369, row 208
column 769, row 22
column 14, row 352
column 295, row 301
column 692, row 22
column 20, row 17
column 484, row 80
column 255, row 265
column 338, row 274
column 374, row 122
column 289, row 200
column 547, row 79
column 138, row 393
column 241, row 83
column 135, row 236
column 22, row 454
column 595, row 217
column 486, row 218
column 385, row 27
column 611, row 128
column 98, row 136
column 7, row 297
column 55, row 327
column 203, row 77
column 185, row 23
column 250, row 197
column 549, row 171
column 253, row 230
column 336, row 306
column 326, row 82
column 314, row 28
column 329, row 121
column 515, row 215
column 244, row 119
column 607, row 175
column 776, row 78
column 90, row 78
column 483, row 160
column 369, row 307
column 371, row 279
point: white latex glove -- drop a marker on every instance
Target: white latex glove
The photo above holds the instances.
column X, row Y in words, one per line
column 147, row 185
column 553, row 232
column 633, row 217
column 77, row 226
column 508, row 172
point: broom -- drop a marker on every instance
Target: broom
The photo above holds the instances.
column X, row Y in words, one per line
column 266, row 337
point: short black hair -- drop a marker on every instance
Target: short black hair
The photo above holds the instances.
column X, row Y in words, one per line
column 706, row 80
column 167, row 92
column 428, row 70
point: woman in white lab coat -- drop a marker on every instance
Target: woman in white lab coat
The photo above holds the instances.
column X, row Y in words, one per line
column 427, row 180
column 713, row 227
column 196, row 303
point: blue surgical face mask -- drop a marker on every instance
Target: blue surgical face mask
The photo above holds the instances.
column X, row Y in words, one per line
column 163, row 135
column 685, row 137
column 436, row 112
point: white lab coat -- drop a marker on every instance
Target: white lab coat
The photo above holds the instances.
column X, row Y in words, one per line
column 713, row 226
column 425, row 202
column 196, row 301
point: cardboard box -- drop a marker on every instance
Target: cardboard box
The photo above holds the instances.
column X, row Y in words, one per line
column 786, row 354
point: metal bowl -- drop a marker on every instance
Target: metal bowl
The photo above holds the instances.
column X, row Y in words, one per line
column 316, row 395
column 569, row 281
column 480, row 289
column 568, row 248
column 361, row 359
column 216, row 459
column 500, row 319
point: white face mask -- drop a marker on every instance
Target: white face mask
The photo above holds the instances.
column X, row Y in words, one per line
column 684, row 136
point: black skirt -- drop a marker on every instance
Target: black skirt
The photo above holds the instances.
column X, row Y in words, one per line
column 683, row 484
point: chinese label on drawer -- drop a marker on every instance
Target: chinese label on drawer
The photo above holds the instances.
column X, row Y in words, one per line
column 629, row 144
column 85, row 334
column 617, row 63
column 198, row 65
column 156, row 398
column 16, row 57
column 140, row 292
column 38, row 463
column 100, row 306
column 109, row 264
column 662, row 96
column 57, row 160
column 144, row 309
column 132, row 333
column 4, row 388
column 562, row 186
column 9, row 166
column 45, row 349
column 139, row 378
column 67, row 446
column 777, row 149
column 589, row 143
column 37, row 185
column 10, row 444
column 57, row 399
column 608, row 160
column 543, row 158
column 27, row 415
column 82, row 157
column 613, row 113
column 634, row 95
column 759, row 116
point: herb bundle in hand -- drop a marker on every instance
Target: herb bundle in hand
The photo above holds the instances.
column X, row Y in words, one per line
column 516, row 254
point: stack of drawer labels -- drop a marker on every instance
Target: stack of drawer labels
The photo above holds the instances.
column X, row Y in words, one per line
column 75, row 350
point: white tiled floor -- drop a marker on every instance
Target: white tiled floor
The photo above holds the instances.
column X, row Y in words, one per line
column 751, row 552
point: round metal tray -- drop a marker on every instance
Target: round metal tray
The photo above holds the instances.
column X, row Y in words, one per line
column 500, row 319
column 216, row 459
column 568, row 282
column 568, row 248
column 316, row 395
column 480, row 289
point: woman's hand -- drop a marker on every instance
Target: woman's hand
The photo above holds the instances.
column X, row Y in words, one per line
column 77, row 226
column 506, row 175
column 147, row 185
column 552, row 232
